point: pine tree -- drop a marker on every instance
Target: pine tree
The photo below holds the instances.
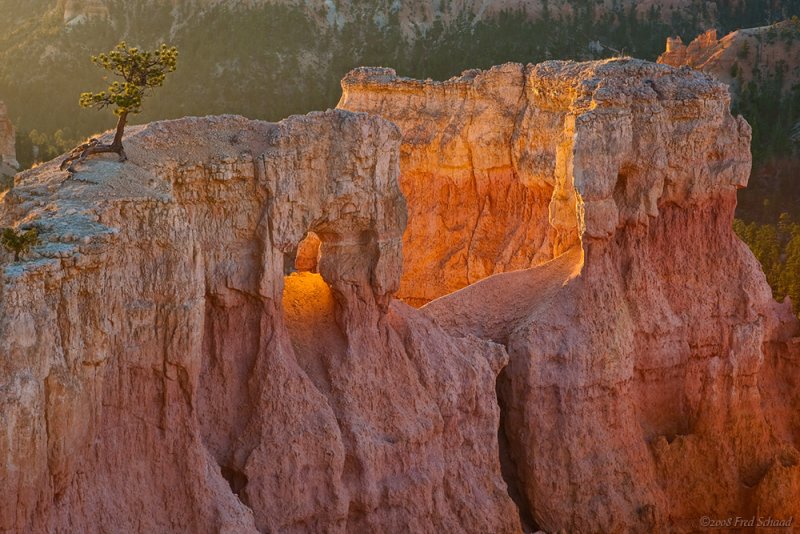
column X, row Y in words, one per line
column 141, row 72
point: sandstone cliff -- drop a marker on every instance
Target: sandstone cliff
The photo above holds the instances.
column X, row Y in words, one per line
column 652, row 377
column 742, row 56
column 160, row 373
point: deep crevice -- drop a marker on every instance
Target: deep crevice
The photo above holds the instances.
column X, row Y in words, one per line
column 508, row 466
column 236, row 480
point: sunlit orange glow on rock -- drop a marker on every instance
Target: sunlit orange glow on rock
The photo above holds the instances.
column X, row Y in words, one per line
column 483, row 170
column 308, row 253
column 309, row 310
column 307, row 302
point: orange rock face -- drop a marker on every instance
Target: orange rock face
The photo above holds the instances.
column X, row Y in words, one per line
column 478, row 168
column 651, row 376
column 159, row 373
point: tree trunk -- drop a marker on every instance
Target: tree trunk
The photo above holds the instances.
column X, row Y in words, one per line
column 16, row 256
column 80, row 154
column 121, row 122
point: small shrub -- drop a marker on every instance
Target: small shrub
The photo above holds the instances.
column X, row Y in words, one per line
column 19, row 242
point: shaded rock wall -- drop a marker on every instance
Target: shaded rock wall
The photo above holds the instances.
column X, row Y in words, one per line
column 155, row 376
column 411, row 14
column 651, row 373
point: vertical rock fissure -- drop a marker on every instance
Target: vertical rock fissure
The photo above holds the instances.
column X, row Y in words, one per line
column 237, row 481
column 508, row 464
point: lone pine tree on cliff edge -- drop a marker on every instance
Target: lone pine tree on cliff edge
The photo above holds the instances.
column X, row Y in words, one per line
column 141, row 72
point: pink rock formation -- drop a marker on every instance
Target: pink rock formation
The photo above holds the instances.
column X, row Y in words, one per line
column 307, row 258
column 156, row 377
column 652, row 378
column 743, row 55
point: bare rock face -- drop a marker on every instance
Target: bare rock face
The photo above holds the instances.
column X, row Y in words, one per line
column 415, row 15
column 742, row 56
column 160, row 373
column 307, row 259
column 652, row 379
column 477, row 171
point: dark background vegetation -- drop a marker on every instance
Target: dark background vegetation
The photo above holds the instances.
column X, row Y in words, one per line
column 272, row 61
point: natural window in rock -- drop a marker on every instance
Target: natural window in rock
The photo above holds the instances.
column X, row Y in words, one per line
column 307, row 259
column 309, row 311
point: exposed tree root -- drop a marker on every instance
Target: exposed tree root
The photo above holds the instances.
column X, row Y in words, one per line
column 90, row 148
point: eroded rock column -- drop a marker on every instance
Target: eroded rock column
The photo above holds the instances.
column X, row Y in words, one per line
column 156, row 378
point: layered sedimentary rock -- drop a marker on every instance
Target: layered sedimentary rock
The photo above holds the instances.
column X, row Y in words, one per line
column 752, row 54
column 652, row 378
column 477, row 168
column 160, row 373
